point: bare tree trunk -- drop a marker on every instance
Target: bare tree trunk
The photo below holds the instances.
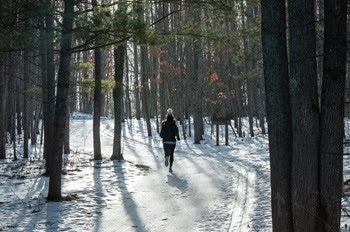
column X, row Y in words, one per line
column 18, row 108
column 154, row 87
column 85, row 94
column 119, row 56
column 240, row 107
column 34, row 115
column 127, row 88
column 13, row 131
column 278, row 112
column 49, row 98
column 25, row 117
column 2, row 109
column 251, row 104
column 136, row 83
column 164, row 26
column 319, row 17
column 61, row 102
column 66, row 143
column 332, row 115
column 145, row 89
column 260, row 107
column 305, row 114
column 196, row 100
column 97, row 100
column 43, row 64
column 12, row 102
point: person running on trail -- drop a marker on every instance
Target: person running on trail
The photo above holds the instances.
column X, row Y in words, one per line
column 169, row 132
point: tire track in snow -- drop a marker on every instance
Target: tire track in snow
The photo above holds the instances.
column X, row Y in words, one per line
column 228, row 211
column 260, row 216
column 244, row 203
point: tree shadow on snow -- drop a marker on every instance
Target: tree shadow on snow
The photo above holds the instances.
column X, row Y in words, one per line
column 127, row 199
column 99, row 195
column 53, row 216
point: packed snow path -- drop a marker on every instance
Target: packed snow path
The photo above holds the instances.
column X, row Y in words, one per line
column 211, row 189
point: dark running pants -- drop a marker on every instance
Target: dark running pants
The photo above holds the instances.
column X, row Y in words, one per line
column 169, row 151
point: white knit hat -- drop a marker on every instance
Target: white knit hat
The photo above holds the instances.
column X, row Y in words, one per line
column 170, row 111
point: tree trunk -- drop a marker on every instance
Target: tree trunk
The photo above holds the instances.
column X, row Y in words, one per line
column 2, row 109
column 127, row 88
column 119, row 56
column 196, row 100
column 136, row 83
column 164, row 26
column 145, row 89
column 332, row 114
column 260, row 107
column 319, row 17
column 43, row 64
column 18, row 108
column 49, row 97
column 25, row 117
column 34, row 114
column 154, row 92
column 251, row 103
column 278, row 112
column 85, row 94
column 66, row 143
column 240, row 107
column 305, row 114
column 12, row 102
column 97, row 100
column 61, row 102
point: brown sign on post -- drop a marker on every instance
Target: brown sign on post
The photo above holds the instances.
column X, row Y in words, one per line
column 221, row 119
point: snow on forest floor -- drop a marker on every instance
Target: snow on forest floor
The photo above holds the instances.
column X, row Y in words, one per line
column 212, row 188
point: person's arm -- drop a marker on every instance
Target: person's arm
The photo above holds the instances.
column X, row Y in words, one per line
column 177, row 132
column 161, row 133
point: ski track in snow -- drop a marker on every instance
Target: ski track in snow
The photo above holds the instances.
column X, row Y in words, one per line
column 212, row 188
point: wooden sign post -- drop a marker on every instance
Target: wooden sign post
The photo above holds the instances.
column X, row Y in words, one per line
column 219, row 119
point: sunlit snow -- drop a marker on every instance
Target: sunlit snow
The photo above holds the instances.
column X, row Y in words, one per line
column 212, row 188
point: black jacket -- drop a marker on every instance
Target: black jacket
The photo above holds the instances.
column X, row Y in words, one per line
column 169, row 131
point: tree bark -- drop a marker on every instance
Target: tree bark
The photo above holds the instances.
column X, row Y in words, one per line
column 278, row 112
column 85, row 94
column 66, row 143
column 34, row 114
column 12, row 102
column 251, row 103
column 145, row 89
column 2, row 109
column 18, row 108
column 61, row 102
column 332, row 114
column 164, row 26
column 49, row 98
column 127, row 88
column 43, row 64
column 97, row 100
column 305, row 114
column 119, row 58
column 196, row 100
column 136, row 83
column 25, row 113
column 239, row 99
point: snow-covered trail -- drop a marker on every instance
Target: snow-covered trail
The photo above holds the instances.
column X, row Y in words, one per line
column 211, row 189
